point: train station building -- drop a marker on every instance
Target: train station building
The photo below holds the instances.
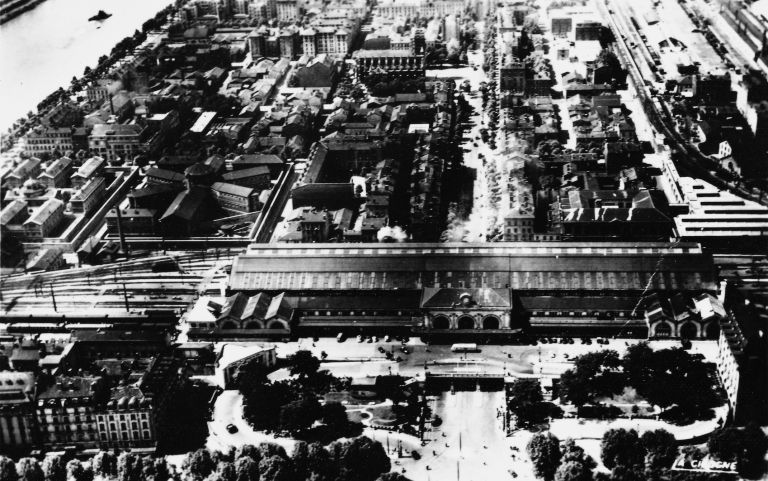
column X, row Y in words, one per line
column 488, row 290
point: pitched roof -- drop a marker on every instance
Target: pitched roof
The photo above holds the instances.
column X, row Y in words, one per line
column 89, row 167
column 186, row 204
column 232, row 189
column 152, row 189
column 245, row 173
column 257, row 159
column 58, row 166
column 164, row 174
column 116, row 129
column 22, row 170
column 11, row 211
column 278, row 307
column 42, row 213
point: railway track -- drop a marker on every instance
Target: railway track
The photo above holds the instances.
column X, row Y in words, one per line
column 115, row 286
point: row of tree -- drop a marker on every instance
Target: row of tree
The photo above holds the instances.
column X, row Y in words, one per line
column 665, row 378
column 357, row 459
column 631, row 457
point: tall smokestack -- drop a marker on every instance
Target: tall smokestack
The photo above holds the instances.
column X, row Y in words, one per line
column 120, row 231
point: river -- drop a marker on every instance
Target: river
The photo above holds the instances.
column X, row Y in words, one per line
column 42, row 49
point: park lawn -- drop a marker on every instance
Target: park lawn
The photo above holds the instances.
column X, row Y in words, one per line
column 382, row 415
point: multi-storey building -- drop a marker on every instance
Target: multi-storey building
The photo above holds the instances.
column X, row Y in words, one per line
column 512, row 75
column 288, row 11
column 66, row 412
column 420, row 8
column 137, row 414
column 231, row 357
column 326, row 39
column 44, row 219
column 89, row 196
column 57, row 174
column 124, row 141
column 126, row 420
column 49, row 139
column 17, row 414
column 258, row 11
column 99, row 91
column 289, row 43
column 256, row 177
column 235, row 198
column 132, row 221
column 397, row 63
column 741, row 358
column 589, row 31
column 88, row 170
column 27, row 169
column 518, row 225
column 13, row 215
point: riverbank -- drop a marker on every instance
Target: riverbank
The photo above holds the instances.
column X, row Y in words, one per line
column 15, row 8
column 43, row 49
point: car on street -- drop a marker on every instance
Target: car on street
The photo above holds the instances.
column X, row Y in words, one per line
column 381, row 350
column 231, row 428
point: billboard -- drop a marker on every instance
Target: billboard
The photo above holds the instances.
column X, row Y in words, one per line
column 706, row 464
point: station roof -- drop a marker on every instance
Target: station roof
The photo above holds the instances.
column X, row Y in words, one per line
column 564, row 266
